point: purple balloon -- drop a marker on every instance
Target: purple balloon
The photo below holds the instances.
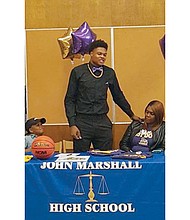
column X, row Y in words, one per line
column 82, row 38
column 162, row 45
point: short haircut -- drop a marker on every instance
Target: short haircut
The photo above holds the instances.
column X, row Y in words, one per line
column 97, row 43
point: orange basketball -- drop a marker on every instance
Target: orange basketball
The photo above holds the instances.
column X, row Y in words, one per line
column 43, row 147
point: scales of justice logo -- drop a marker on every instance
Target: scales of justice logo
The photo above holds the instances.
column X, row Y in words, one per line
column 102, row 188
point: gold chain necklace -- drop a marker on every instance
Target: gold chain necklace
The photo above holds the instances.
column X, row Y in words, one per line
column 94, row 74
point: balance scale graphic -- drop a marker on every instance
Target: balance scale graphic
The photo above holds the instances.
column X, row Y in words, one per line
column 79, row 189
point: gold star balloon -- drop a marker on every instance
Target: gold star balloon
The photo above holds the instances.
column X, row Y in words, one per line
column 66, row 45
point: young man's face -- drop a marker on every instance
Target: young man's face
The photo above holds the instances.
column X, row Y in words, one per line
column 98, row 56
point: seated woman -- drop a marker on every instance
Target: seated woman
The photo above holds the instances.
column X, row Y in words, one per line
column 149, row 134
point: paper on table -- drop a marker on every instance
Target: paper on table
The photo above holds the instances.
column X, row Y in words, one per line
column 106, row 153
column 72, row 158
column 66, row 154
column 28, row 158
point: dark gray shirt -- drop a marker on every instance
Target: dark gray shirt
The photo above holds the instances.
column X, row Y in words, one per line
column 88, row 95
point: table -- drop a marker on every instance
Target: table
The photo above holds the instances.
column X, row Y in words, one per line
column 101, row 188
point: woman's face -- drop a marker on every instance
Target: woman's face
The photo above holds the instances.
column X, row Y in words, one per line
column 149, row 116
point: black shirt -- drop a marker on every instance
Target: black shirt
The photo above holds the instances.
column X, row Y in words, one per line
column 88, row 95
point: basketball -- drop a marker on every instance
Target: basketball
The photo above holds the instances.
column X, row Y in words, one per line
column 43, row 147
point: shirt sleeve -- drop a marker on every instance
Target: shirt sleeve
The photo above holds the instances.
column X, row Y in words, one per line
column 28, row 141
column 70, row 99
column 119, row 97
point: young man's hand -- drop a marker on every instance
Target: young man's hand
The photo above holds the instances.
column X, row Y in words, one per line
column 75, row 132
column 136, row 118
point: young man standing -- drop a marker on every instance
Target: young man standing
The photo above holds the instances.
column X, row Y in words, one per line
column 86, row 101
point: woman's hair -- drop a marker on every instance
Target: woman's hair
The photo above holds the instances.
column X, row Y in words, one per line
column 97, row 43
column 158, row 110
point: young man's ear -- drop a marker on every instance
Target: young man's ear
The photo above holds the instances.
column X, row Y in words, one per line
column 91, row 53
